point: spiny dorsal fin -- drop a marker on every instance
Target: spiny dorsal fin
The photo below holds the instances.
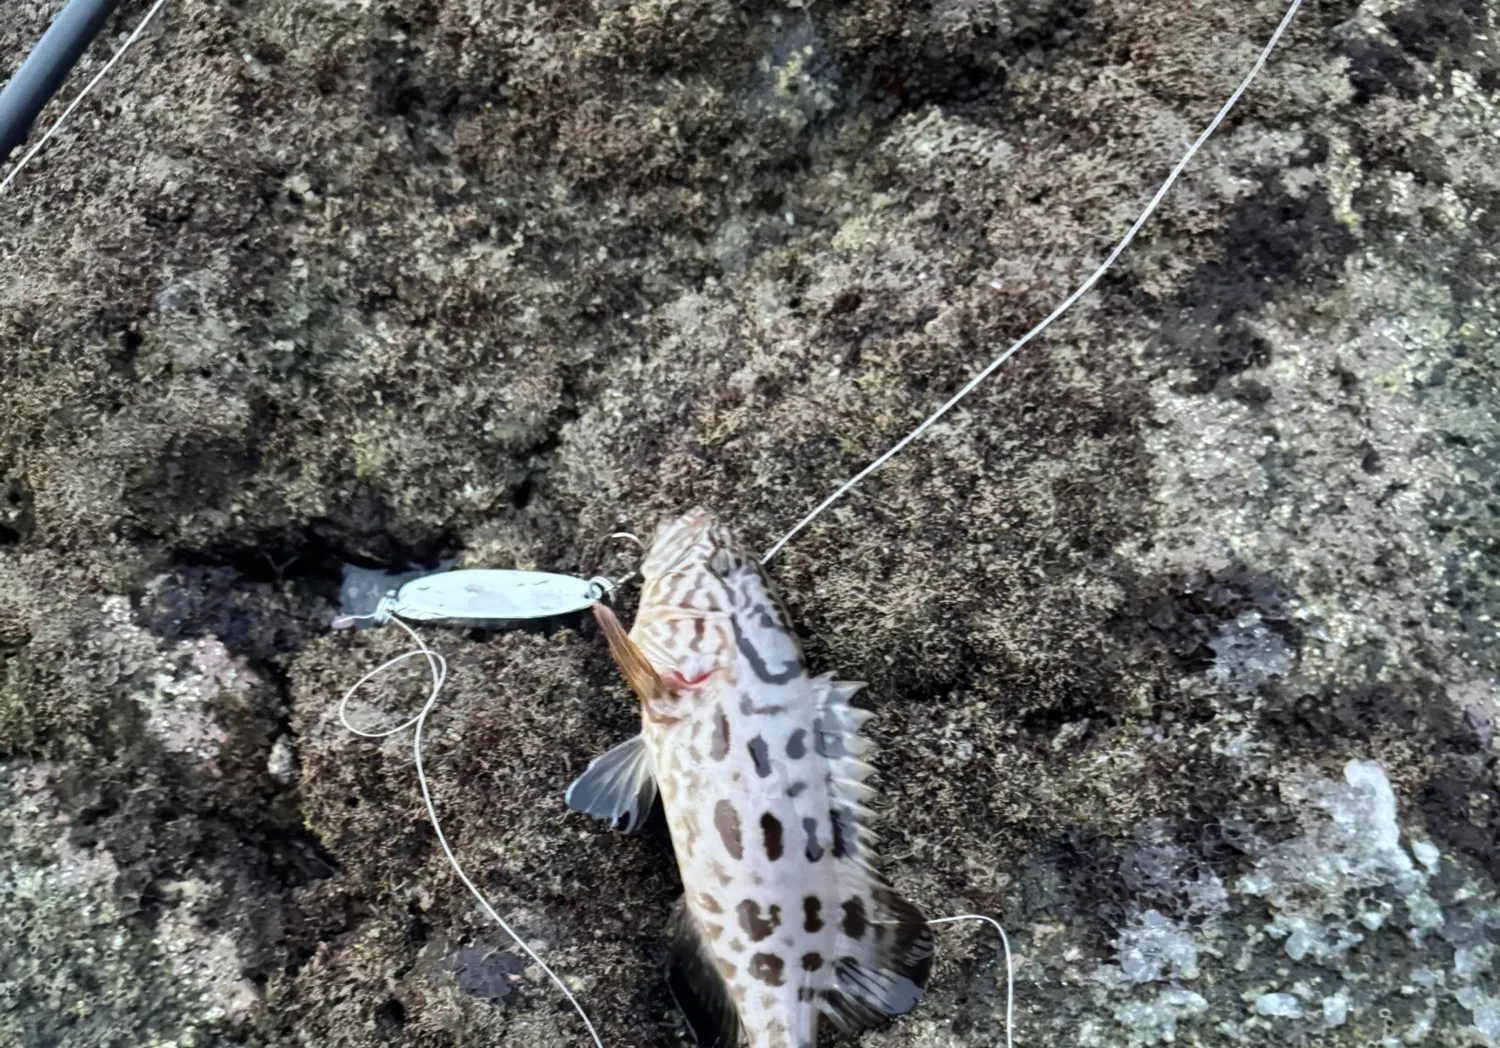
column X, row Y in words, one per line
column 696, row 985
column 838, row 737
column 617, row 786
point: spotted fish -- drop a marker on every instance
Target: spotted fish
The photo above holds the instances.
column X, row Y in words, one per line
column 762, row 775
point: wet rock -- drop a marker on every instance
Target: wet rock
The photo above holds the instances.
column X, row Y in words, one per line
column 1178, row 632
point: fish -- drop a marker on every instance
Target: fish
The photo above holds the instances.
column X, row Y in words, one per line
column 762, row 771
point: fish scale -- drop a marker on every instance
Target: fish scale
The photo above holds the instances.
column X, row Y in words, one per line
column 761, row 771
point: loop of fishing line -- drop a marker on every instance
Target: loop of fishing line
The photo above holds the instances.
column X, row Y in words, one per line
column 615, row 584
column 439, row 670
column 1067, row 303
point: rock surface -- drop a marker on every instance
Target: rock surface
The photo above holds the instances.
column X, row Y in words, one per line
column 1180, row 632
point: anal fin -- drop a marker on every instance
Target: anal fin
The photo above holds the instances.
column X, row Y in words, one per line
column 617, row 786
column 697, row 986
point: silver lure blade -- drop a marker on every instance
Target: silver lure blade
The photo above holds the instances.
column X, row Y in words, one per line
column 492, row 595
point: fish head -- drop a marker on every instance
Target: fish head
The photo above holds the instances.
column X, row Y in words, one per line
column 708, row 616
column 691, row 542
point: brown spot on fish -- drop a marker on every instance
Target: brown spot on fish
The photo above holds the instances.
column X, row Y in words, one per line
column 720, row 874
column 696, row 644
column 719, row 563
column 760, row 753
column 687, row 823
column 750, row 709
column 814, row 850
column 712, row 931
column 718, row 747
column 727, row 822
column 854, row 923
column 708, row 904
column 728, row 969
column 756, row 926
column 736, row 946
column 827, row 743
column 795, row 788
column 811, row 962
column 840, row 848
column 767, row 967
column 770, row 830
column 768, row 1001
column 796, row 746
column 812, row 913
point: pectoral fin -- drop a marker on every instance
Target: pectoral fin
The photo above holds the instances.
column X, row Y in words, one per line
column 636, row 668
column 618, row 786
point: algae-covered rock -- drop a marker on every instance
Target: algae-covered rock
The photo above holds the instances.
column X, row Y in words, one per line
column 1180, row 631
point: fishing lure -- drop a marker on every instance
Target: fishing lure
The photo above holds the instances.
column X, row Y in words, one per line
column 761, row 770
column 485, row 595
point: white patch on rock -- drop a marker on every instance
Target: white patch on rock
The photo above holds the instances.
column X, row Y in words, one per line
column 1153, row 947
column 1156, row 1021
column 1247, row 654
column 1355, row 848
column 1427, row 854
column 185, row 702
column 1336, row 1009
column 1279, row 1005
column 281, row 765
column 95, row 868
column 1486, row 1013
column 208, row 959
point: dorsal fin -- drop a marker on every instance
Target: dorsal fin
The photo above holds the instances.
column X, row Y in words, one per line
column 883, row 955
column 697, row 986
column 838, row 737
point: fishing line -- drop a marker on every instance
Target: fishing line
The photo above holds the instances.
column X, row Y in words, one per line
column 1010, row 968
column 58, row 123
column 1067, row 303
column 439, row 669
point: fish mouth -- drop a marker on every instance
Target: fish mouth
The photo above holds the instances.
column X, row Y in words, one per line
column 687, row 540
